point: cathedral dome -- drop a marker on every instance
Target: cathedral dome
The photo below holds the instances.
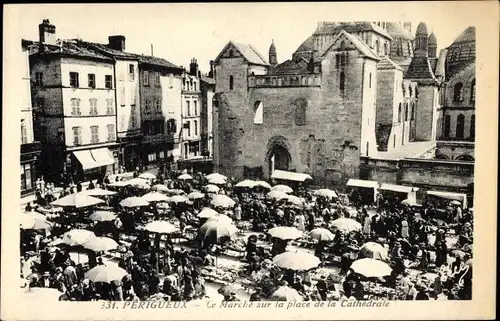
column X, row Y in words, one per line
column 432, row 39
column 397, row 31
column 467, row 36
column 422, row 29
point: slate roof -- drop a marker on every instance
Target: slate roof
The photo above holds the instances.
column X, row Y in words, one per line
column 208, row 80
column 351, row 27
column 108, row 51
column 156, row 61
column 250, row 53
column 468, row 35
column 358, row 43
column 433, row 62
column 69, row 48
column 289, row 67
column 387, row 64
column 420, row 68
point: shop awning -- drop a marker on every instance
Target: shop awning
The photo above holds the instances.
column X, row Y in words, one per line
column 86, row 159
column 94, row 158
column 448, row 195
column 362, row 183
column 397, row 188
column 290, row 176
column 102, row 156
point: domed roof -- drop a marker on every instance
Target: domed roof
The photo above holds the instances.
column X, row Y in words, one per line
column 307, row 45
column 432, row 39
column 272, row 48
column 396, row 30
column 468, row 35
column 422, row 29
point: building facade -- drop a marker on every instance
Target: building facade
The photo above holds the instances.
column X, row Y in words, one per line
column 457, row 129
column 191, row 113
column 159, row 90
column 339, row 99
column 74, row 95
column 207, row 114
column 30, row 149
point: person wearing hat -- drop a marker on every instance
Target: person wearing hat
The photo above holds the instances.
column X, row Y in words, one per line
column 422, row 292
column 322, row 288
column 46, row 281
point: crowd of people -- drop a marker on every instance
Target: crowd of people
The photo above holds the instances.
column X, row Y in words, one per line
column 430, row 255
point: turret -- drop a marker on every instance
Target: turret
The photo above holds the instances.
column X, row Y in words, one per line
column 273, row 56
column 432, row 46
column 421, row 38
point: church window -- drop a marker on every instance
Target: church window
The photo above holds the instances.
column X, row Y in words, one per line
column 258, row 112
column 385, row 49
column 342, row 45
column 300, row 112
column 411, row 91
column 460, row 126
column 458, row 91
column 399, row 113
column 370, row 81
column 231, row 82
column 377, row 47
column 473, row 91
column 337, row 60
column 231, row 53
column 413, row 111
column 447, row 120
column 342, row 81
column 472, row 126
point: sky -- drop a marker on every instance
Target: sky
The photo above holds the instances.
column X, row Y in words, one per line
column 181, row 31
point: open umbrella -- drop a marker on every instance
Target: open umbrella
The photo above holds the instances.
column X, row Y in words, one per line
column 159, row 188
column 119, row 184
column 210, row 188
column 455, row 202
column 98, row 192
column 185, row 177
column 286, row 293
column 321, row 234
column 373, row 250
column 277, row 195
column 178, row 199
column 215, row 229
column 207, row 212
column 262, row 184
column 298, row 261
column 285, row 233
column 299, row 201
column 226, row 290
column 282, row 188
column 195, row 195
column 346, row 224
column 100, row 244
column 134, row 201
column 139, row 183
column 155, row 197
column 217, row 179
column 247, row 183
column 221, row 217
column 371, row 268
column 77, row 200
column 222, row 201
column 161, row 227
column 105, row 273
column 34, row 222
column 147, row 176
column 175, row 192
column 102, row 216
column 324, row 192
column 79, row 258
column 77, row 237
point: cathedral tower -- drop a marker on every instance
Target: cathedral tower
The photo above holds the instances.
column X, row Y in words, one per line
column 421, row 38
column 273, row 56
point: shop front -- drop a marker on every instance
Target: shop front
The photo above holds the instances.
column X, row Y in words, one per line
column 401, row 192
column 92, row 164
column 363, row 190
column 130, row 152
column 30, row 154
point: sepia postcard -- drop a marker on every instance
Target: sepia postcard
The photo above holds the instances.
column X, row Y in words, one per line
column 250, row 161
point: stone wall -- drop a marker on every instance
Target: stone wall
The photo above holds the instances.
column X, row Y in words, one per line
column 423, row 173
column 454, row 150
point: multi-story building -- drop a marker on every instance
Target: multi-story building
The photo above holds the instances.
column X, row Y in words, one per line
column 352, row 91
column 207, row 98
column 74, row 95
column 191, row 113
column 128, row 115
column 160, row 94
column 457, row 126
column 30, row 149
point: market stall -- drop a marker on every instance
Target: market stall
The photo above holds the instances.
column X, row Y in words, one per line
column 366, row 189
column 443, row 198
column 290, row 178
column 400, row 191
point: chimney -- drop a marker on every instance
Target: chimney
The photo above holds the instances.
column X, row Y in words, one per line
column 47, row 34
column 117, row 42
column 211, row 73
column 193, row 67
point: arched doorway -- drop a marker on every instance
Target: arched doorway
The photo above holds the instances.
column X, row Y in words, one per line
column 278, row 158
